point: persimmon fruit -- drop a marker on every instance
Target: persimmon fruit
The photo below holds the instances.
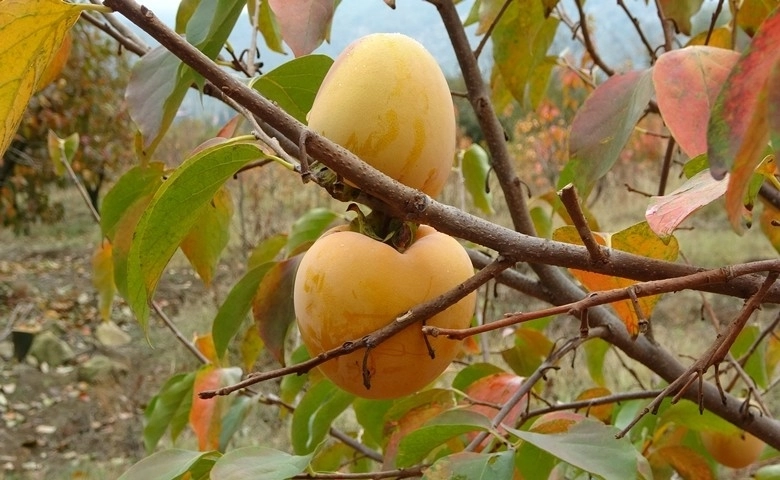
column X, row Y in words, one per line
column 386, row 100
column 734, row 450
column 349, row 285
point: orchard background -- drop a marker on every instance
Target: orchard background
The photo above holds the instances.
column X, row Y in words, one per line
column 622, row 220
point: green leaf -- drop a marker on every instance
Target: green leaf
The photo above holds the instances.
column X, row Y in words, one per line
column 204, row 244
column 172, row 213
column 595, row 353
column 59, row 147
column 184, row 13
column 267, row 250
column 472, row 373
column 603, row 125
column 235, row 308
column 272, row 306
column 314, row 415
column 137, row 183
column 590, row 446
column 32, row 32
column 294, row 84
column 530, row 349
column 370, row 415
column 291, row 385
column 308, row 228
column 473, row 466
column 169, row 464
column 259, row 463
column 686, row 413
column 268, row 26
column 159, row 81
column 755, row 366
column 233, row 419
column 475, row 166
column 170, row 407
column 522, row 59
column 681, row 12
column 418, row 444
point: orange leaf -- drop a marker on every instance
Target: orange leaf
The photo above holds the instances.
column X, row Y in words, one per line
column 638, row 239
column 103, row 277
column 600, row 412
column 205, row 343
column 57, row 63
column 690, row 464
column 205, row 414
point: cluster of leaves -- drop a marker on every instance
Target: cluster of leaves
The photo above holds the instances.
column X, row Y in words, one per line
column 152, row 211
column 85, row 98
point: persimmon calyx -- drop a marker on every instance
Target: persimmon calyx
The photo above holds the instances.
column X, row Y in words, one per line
column 383, row 228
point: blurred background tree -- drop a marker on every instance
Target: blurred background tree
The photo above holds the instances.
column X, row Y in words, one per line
column 86, row 98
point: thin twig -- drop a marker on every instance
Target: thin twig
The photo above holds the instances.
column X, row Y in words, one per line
column 589, row 46
column 713, row 356
column 639, row 30
column 666, row 167
column 593, row 402
column 604, row 297
column 417, row 314
column 713, row 21
column 571, row 202
column 400, row 473
column 666, row 24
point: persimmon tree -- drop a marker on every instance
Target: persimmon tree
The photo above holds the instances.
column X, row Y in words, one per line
column 708, row 96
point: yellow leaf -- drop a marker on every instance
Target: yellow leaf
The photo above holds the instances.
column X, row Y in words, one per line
column 103, row 277
column 32, row 32
column 54, row 68
column 638, row 239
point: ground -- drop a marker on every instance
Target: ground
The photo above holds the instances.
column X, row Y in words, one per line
column 55, row 424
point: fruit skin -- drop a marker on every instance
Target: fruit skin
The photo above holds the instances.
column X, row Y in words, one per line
column 737, row 450
column 386, row 100
column 349, row 285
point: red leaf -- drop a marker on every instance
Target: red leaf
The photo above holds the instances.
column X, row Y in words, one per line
column 304, row 23
column 737, row 131
column 687, row 82
column 604, row 124
column 665, row 213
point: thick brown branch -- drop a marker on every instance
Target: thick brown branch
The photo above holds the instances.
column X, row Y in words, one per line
column 571, row 202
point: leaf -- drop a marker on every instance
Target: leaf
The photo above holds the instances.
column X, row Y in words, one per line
column 137, row 183
column 59, row 147
column 291, row 385
column 314, row 415
column 32, row 32
column 602, row 413
column 664, row 214
column 267, row 25
column 687, row 82
column 234, row 419
column 168, row 464
column 204, row 244
column 169, row 408
column 173, row 212
column 205, row 345
column 415, row 446
column 689, row 463
column 159, row 81
column 472, row 466
column 752, row 14
column 54, row 69
column 680, row 11
column 590, row 446
column 294, row 84
column 530, row 349
column 259, row 463
column 595, row 353
column 272, row 306
column 475, row 166
column 103, row 277
column 250, row 347
column 686, row 413
column 756, row 366
column 522, row 59
column 720, row 37
column 304, row 23
column 638, row 239
column 370, row 414
column 472, row 373
column 235, row 308
column 206, row 415
column 308, row 228
column 267, row 250
column 737, row 131
column 603, row 125
column 184, row 13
